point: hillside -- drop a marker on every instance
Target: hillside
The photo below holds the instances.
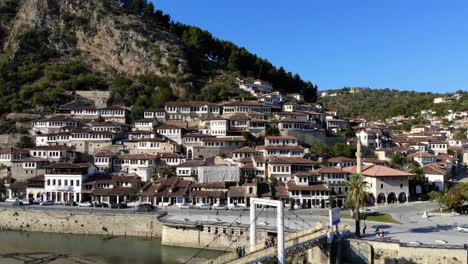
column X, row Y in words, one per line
column 49, row 48
column 384, row 103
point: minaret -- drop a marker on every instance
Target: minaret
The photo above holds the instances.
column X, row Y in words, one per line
column 358, row 156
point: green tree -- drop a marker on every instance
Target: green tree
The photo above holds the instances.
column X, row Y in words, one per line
column 148, row 11
column 356, row 197
column 25, row 142
column 396, row 160
column 463, row 187
column 341, row 149
column 318, row 148
column 453, row 198
column 438, row 197
column 248, row 136
column 418, row 179
column 272, row 131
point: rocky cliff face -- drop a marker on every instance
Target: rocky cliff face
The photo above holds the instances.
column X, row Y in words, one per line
column 97, row 32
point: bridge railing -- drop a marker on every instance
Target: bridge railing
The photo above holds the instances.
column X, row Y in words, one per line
column 259, row 250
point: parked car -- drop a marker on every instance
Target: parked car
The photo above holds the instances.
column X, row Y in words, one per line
column 48, row 202
column 97, row 204
column 26, row 202
column 119, row 205
column 105, row 205
column 237, row 208
column 220, row 207
column 146, row 207
column 37, row 201
column 204, row 207
column 185, row 206
column 133, row 204
column 367, row 211
column 12, row 200
column 70, row 203
column 462, row 228
column 18, row 203
column 85, row 204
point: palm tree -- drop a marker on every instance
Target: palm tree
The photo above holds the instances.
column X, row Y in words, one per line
column 356, row 197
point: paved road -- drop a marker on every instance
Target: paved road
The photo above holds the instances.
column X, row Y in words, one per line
column 413, row 226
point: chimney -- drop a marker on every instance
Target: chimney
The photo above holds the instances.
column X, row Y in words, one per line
column 358, row 156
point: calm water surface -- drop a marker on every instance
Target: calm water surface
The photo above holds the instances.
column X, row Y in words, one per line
column 91, row 249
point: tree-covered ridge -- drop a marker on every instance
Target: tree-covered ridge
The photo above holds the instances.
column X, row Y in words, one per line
column 208, row 54
column 386, row 103
column 46, row 67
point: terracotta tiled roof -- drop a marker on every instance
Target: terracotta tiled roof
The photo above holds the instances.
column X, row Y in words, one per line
column 240, row 191
column 434, row 169
column 63, row 165
column 192, row 163
column 421, row 155
column 331, row 170
column 281, row 191
column 307, row 173
column 291, row 160
column 244, row 103
column 373, row 160
column 138, row 156
column 31, row 159
column 18, row 185
column 189, row 104
column 281, row 147
column 281, row 138
column 226, row 139
column 238, row 117
column 217, row 194
column 210, row 185
column 114, row 191
column 341, row 159
column 13, row 150
column 168, row 126
column 245, row 149
column 378, row 171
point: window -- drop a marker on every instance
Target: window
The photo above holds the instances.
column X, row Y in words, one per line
column 381, row 186
column 401, row 185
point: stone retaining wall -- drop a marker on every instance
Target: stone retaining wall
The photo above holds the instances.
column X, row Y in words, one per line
column 389, row 252
column 111, row 224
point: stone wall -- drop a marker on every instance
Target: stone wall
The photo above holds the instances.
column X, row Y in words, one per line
column 113, row 224
column 389, row 252
column 198, row 237
column 99, row 98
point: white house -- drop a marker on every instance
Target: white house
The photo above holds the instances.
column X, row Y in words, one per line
column 143, row 165
column 436, row 176
column 63, row 181
column 385, row 185
column 171, row 132
column 423, row 158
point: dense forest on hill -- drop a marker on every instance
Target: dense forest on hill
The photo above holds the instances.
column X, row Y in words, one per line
column 386, row 103
column 53, row 47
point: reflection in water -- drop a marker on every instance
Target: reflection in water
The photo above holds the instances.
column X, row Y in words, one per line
column 96, row 249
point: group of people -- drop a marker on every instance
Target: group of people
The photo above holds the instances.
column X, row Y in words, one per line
column 240, row 251
column 269, row 241
column 379, row 233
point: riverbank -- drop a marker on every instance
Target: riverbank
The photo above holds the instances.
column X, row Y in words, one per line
column 109, row 223
column 35, row 247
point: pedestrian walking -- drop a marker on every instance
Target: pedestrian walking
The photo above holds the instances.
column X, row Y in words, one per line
column 364, row 230
column 243, row 250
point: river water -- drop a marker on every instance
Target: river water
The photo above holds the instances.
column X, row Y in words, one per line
column 20, row 247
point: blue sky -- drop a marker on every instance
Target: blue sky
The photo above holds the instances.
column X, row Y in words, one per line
column 417, row 45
